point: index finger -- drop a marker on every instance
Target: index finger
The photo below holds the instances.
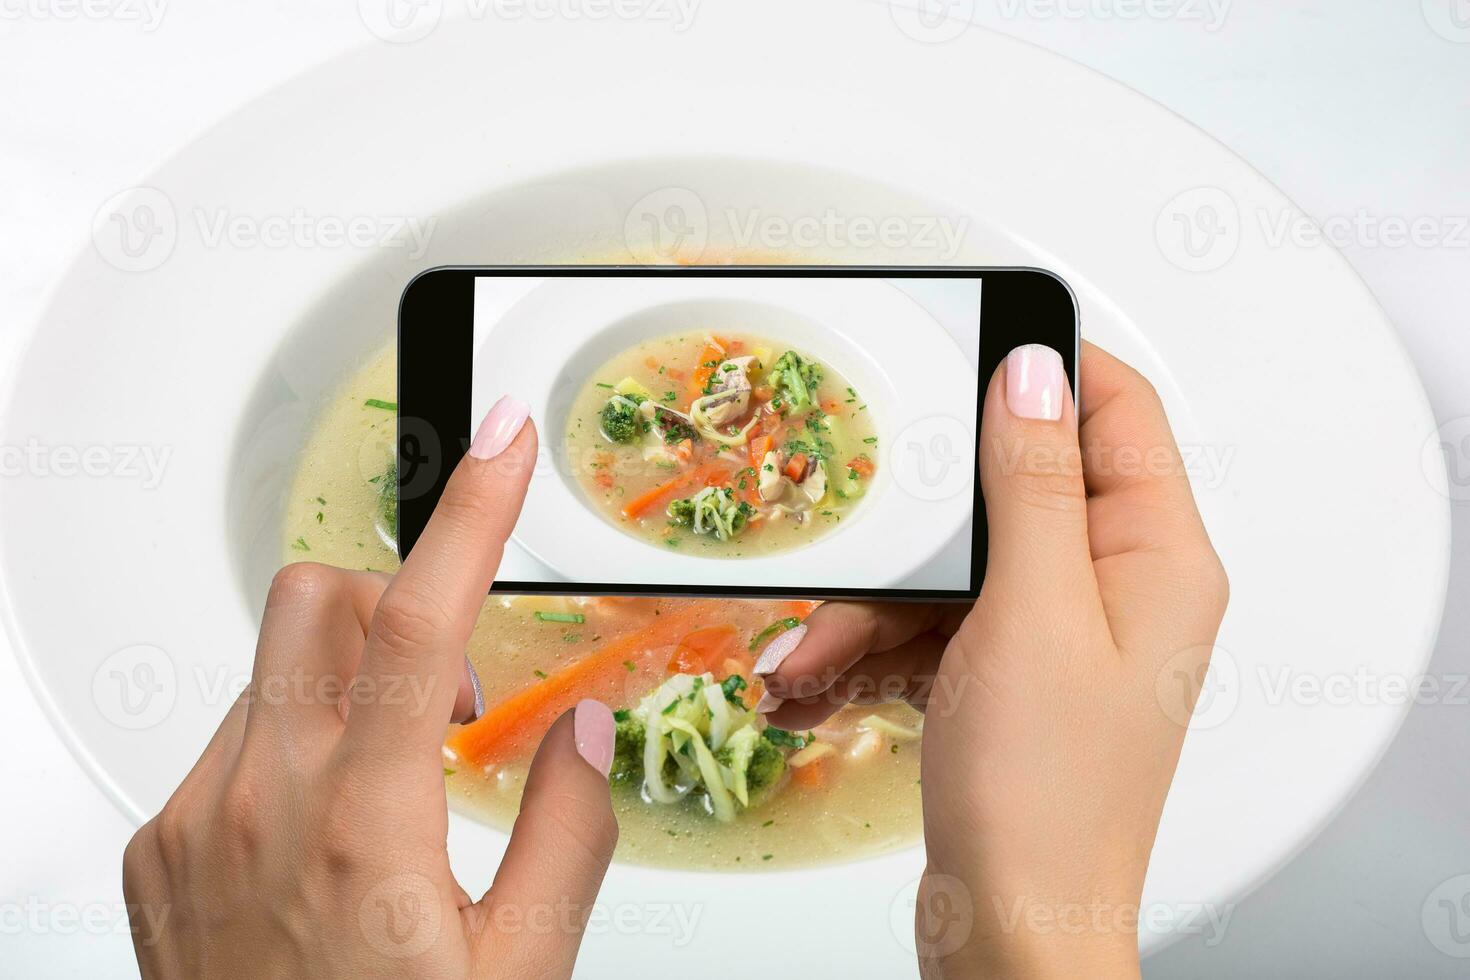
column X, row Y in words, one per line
column 414, row 655
column 1139, row 497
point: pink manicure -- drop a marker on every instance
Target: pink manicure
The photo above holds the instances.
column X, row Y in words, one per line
column 1035, row 382
column 778, row 650
column 592, row 726
column 500, row 428
column 768, row 703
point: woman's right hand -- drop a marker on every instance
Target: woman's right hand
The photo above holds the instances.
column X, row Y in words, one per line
column 1054, row 712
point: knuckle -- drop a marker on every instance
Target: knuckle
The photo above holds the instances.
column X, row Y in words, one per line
column 299, row 583
column 140, row 857
column 171, row 834
column 405, row 622
column 1050, row 489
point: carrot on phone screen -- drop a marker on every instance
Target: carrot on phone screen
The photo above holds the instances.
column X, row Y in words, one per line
column 521, row 719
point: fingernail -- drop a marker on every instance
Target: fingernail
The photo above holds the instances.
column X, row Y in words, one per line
column 768, row 703
column 778, row 650
column 474, row 678
column 592, row 726
column 500, row 427
column 1035, row 382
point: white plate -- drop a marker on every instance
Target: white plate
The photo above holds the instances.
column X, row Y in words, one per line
column 530, row 139
column 546, row 346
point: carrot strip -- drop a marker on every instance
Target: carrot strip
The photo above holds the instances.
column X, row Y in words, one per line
column 703, row 650
column 704, row 370
column 861, row 465
column 813, row 775
column 705, row 475
column 759, row 446
column 796, row 466
column 517, row 722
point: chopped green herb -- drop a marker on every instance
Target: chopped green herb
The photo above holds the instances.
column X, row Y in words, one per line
column 732, row 686
column 779, row 626
column 300, row 545
column 448, row 772
column 767, row 857
column 768, row 823
column 629, row 666
column 603, row 384
column 540, row 673
column 379, row 403
column 556, row 617
column 787, row 740
column 622, row 714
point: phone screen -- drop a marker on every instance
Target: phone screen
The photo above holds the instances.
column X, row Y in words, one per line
column 754, row 434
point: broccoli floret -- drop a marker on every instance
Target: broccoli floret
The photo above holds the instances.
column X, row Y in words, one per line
column 766, row 765
column 795, row 380
column 681, row 512
column 620, row 419
column 628, row 738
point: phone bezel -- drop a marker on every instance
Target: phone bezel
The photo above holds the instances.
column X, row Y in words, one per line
column 435, row 360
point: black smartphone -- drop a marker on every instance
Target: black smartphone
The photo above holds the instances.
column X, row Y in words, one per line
column 762, row 431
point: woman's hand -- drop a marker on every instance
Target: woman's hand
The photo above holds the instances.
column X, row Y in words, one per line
column 1054, row 718
column 309, row 839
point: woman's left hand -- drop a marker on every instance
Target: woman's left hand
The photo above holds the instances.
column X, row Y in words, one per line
column 309, row 839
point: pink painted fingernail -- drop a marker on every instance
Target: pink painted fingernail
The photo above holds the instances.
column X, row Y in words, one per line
column 473, row 677
column 778, row 650
column 592, row 726
column 1035, row 382
column 500, row 428
column 768, row 703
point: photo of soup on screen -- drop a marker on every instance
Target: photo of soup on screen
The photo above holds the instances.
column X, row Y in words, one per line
column 765, row 433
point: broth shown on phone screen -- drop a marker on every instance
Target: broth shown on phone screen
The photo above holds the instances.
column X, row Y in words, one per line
column 763, row 433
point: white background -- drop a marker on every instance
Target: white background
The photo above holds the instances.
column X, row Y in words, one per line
column 1351, row 106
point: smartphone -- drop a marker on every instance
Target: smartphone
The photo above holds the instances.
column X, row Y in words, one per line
column 761, row 431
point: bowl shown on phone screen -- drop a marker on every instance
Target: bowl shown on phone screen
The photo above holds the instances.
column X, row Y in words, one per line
column 886, row 367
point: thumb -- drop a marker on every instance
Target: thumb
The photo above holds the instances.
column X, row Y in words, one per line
column 1031, row 475
column 534, row 914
